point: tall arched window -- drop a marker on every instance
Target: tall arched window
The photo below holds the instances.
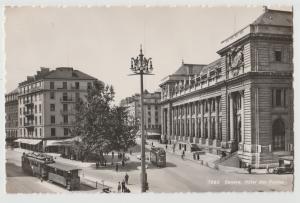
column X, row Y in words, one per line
column 278, row 132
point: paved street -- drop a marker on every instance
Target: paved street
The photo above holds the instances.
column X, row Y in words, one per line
column 178, row 176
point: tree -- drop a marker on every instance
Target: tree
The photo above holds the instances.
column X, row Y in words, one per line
column 123, row 135
column 101, row 126
column 92, row 122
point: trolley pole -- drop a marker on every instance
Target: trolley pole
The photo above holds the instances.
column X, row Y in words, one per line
column 142, row 66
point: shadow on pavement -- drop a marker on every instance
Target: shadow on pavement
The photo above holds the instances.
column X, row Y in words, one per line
column 132, row 165
column 13, row 170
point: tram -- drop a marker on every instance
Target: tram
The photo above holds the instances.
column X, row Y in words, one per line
column 158, row 156
column 44, row 166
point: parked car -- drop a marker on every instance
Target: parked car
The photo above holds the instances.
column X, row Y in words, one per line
column 194, row 148
column 286, row 165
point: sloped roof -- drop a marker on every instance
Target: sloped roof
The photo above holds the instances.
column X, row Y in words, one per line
column 68, row 73
column 189, row 69
column 275, row 17
column 205, row 69
column 15, row 91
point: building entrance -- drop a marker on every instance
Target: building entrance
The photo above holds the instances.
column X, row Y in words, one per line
column 278, row 133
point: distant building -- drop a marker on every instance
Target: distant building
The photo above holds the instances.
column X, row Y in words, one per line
column 11, row 115
column 242, row 103
column 46, row 106
column 152, row 117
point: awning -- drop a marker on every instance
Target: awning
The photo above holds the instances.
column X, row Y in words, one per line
column 62, row 142
column 28, row 141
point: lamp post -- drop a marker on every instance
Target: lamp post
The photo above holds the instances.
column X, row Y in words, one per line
column 142, row 66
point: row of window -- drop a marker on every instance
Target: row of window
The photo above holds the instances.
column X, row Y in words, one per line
column 65, row 85
column 23, row 111
column 65, row 119
column 38, row 132
column 34, row 121
column 30, row 99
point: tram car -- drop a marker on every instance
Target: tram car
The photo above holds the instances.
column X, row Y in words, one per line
column 43, row 166
column 158, row 156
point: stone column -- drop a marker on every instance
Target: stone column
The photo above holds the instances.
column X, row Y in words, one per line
column 202, row 123
column 162, row 122
column 232, row 142
column 209, row 123
column 217, row 140
column 231, row 119
column 190, row 122
column 196, row 140
column 241, row 144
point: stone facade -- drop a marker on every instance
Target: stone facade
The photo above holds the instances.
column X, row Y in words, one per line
column 241, row 103
column 152, row 117
column 46, row 103
column 11, row 117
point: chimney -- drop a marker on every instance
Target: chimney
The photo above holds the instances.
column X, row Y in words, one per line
column 265, row 9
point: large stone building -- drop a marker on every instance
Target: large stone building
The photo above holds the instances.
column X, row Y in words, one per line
column 46, row 105
column 152, row 117
column 11, row 115
column 242, row 103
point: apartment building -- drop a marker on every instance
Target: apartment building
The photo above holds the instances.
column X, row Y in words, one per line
column 46, row 104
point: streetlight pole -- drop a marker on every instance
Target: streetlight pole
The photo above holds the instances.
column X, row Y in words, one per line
column 142, row 66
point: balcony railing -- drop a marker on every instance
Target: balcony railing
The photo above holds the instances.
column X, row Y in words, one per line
column 29, row 125
column 67, row 112
column 28, row 102
column 28, row 113
column 67, row 99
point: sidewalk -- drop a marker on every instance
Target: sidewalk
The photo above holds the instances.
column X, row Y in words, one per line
column 207, row 160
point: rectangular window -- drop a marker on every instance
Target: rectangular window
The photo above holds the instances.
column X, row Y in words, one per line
column 40, row 131
column 40, row 120
column 65, row 85
column 77, row 85
column 77, row 96
column 278, row 97
column 52, row 107
column 52, row 85
column 89, row 85
column 20, row 121
column 53, row 132
column 66, row 131
column 35, row 108
column 66, row 119
column 65, row 107
column 65, row 96
column 149, row 107
column 35, row 120
column 52, row 119
column 278, row 57
column 52, row 95
column 40, row 108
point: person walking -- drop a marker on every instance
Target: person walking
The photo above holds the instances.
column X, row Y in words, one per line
column 126, row 178
column 117, row 167
column 249, row 168
column 123, row 186
column 119, row 187
column 182, row 155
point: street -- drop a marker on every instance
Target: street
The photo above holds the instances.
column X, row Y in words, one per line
column 178, row 176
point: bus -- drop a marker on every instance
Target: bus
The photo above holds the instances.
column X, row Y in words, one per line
column 158, row 156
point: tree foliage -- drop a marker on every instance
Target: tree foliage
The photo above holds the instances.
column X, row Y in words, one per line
column 101, row 126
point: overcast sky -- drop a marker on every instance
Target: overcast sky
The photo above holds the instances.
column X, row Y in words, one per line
column 100, row 41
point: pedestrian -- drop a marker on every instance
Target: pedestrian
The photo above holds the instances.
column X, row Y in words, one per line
column 194, row 156
column 166, row 146
column 123, row 186
column 249, row 169
column 119, row 187
column 123, row 162
column 126, row 178
column 182, row 155
column 198, row 156
column 117, row 167
column 41, row 179
column 104, row 162
column 267, row 168
column 112, row 155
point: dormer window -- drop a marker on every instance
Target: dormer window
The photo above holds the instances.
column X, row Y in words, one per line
column 278, row 56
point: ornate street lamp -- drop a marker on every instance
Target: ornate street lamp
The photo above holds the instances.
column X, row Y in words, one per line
column 142, row 66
